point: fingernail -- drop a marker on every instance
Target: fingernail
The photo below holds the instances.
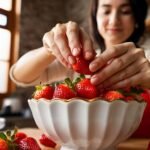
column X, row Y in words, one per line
column 93, row 66
column 71, row 60
column 94, row 80
column 88, row 55
column 75, row 51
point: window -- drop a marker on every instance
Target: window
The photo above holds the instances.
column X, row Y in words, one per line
column 9, row 42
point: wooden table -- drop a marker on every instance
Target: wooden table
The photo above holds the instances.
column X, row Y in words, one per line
column 130, row 144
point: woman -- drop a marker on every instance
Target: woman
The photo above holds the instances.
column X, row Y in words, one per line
column 117, row 26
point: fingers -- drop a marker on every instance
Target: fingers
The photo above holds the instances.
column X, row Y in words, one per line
column 68, row 40
column 62, row 42
column 125, row 69
column 109, row 54
column 87, row 44
column 128, row 72
column 114, row 66
column 73, row 37
column 50, row 45
column 132, row 81
column 79, row 41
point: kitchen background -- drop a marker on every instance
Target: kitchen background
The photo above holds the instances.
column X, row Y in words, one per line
column 38, row 17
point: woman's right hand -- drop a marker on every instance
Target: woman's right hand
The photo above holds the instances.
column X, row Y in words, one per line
column 68, row 40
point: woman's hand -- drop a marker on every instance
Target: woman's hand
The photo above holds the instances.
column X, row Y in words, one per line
column 68, row 40
column 121, row 66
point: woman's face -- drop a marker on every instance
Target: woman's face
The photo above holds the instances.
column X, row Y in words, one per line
column 115, row 21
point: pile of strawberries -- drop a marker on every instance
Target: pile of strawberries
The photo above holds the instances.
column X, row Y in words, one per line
column 82, row 87
column 14, row 140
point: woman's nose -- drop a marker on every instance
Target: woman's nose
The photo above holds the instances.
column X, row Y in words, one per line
column 114, row 18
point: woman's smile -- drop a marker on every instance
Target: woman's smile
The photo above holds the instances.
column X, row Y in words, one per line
column 114, row 30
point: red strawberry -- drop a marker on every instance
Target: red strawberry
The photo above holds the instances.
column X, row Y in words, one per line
column 28, row 143
column 113, row 95
column 45, row 91
column 85, row 89
column 3, row 145
column 81, row 66
column 63, row 91
column 44, row 140
column 19, row 136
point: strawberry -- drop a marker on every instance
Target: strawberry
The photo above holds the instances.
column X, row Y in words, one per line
column 64, row 90
column 19, row 136
column 113, row 95
column 85, row 89
column 3, row 145
column 28, row 143
column 7, row 140
column 43, row 91
column 44, row 140
column 81, row 66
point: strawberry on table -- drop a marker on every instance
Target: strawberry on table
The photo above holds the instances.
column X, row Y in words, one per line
column 7, row 140
column 19, row 136
column 44, row 140
column 3, row 144
column 85, row 89
column 43, row 91
column 82, row 66
column 28, row 143
column 64, row 90
column 113, row 95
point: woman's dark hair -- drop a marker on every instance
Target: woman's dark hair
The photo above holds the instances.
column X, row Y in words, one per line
column 139, row 8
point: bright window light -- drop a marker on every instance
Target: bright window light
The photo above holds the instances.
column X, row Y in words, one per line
column 4, row 73
column 6, row 4
column 3, row 20
column 5, row 38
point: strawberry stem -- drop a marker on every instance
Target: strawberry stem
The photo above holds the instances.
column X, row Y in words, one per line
column 38, row 87
column 78, row 79
column 3, row 136
column 69, row 83
column 82, row 76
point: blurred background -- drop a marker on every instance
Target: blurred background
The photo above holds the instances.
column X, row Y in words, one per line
column 22, row 25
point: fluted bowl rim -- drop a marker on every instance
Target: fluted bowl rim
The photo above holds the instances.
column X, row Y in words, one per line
column 68, row 101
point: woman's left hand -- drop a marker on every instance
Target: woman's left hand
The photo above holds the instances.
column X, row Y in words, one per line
column 121, row 66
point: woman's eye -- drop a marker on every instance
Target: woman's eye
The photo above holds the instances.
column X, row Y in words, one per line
column 126, row 12
column 106, row 12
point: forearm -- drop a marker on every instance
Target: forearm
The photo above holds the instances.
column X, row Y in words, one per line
column 31, row 65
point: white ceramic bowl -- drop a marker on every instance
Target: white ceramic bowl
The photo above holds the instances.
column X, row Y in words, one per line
column 82, row 125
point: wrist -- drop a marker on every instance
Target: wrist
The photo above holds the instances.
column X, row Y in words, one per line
column 48, row 53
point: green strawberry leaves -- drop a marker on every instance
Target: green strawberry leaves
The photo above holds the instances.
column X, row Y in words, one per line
column 9, row 137
column 3, row 136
